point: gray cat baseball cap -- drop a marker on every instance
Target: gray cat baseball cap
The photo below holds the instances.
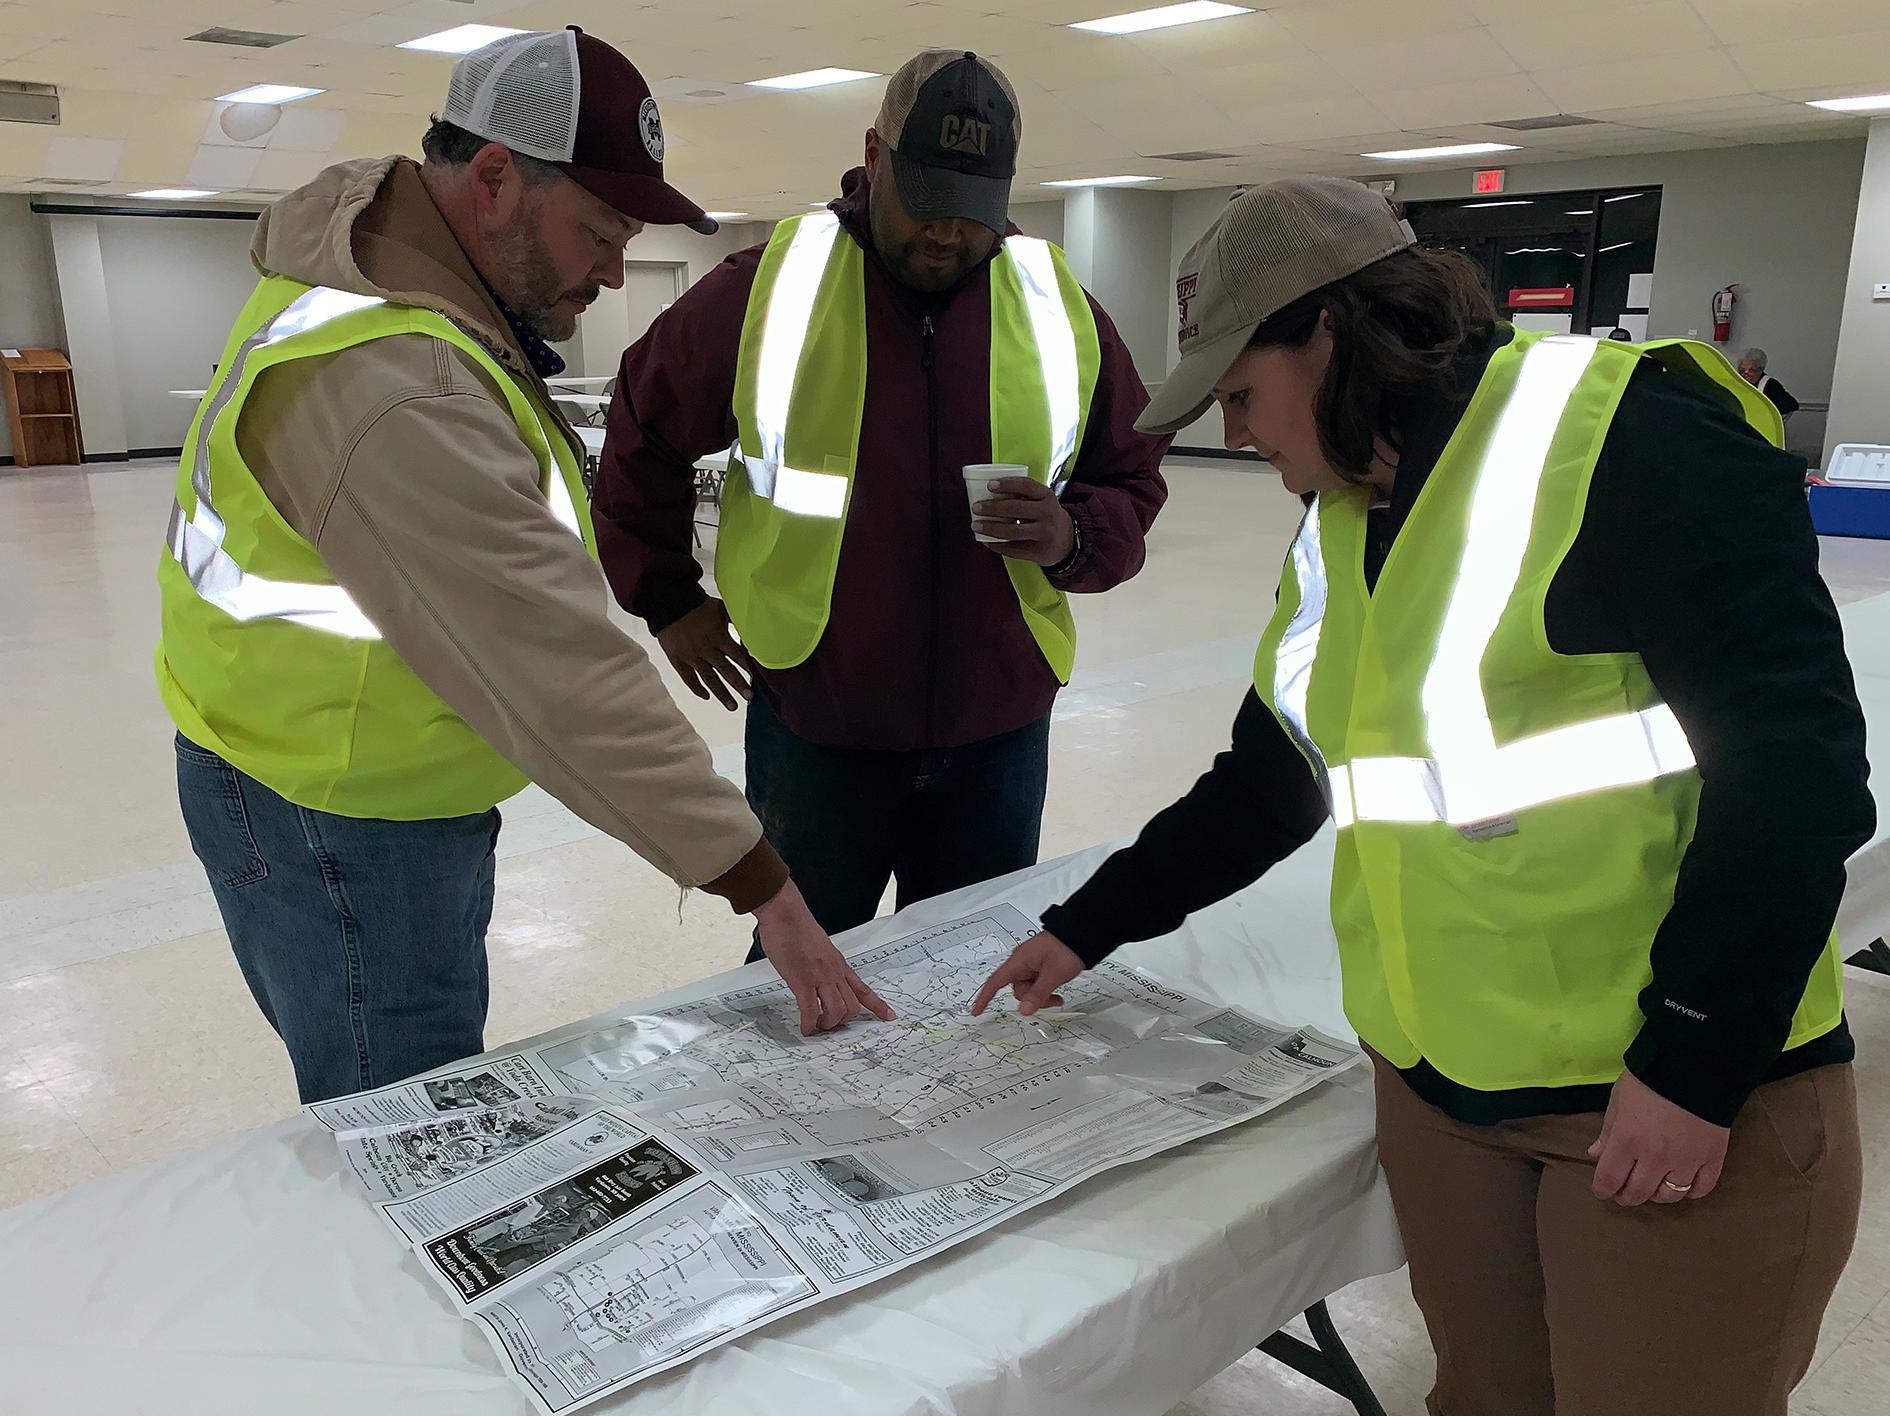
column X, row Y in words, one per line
column 951, row 120
column 1273, row 244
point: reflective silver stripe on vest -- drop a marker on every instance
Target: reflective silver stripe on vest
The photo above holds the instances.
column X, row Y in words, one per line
column 783, row 338
column 196, row 538
column 1056, row 349
column 1469, row 779
column 557, row 490
column 196, row 542
column 784, row 328
column 1299, row 644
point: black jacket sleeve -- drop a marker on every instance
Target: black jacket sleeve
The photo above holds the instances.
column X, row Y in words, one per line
column 1712, row 567
column 1257, row 805
column 1781, row 399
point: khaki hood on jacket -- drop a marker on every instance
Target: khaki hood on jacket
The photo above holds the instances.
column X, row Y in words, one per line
column 370, row 227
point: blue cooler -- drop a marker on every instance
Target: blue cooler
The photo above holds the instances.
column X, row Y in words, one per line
column 1853, row 497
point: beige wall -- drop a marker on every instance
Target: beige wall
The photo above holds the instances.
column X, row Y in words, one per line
column 174, row 287
column 697, row 254
column 1860, row 411
column 1043, row 219
column 85, row 316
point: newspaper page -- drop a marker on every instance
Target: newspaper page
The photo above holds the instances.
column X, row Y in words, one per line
column 493, row 1081
column 735, row 1171
column 488, row 1229
column 395, row 1161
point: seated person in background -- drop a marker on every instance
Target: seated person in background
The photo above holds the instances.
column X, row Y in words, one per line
column 1752, row 370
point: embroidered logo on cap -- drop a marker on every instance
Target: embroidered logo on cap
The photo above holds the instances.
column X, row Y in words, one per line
column 650, row 124
column 958, row 132
column 1184, row 296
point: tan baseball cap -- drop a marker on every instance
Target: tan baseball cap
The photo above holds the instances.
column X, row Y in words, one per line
column 1273, row 244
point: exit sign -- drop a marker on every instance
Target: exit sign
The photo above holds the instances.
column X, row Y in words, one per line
column 1488, row 181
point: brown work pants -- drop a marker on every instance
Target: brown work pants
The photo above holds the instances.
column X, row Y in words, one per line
column 1543, row 1300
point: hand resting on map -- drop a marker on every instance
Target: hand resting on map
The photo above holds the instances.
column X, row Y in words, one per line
column 1036, row 969
column 826, row 989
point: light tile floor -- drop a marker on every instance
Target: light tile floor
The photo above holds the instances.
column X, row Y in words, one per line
column 126, row 1034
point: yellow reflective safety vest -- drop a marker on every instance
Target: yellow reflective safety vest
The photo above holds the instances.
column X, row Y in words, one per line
column 800, row 394
column 1511, row 820
column 264, row 659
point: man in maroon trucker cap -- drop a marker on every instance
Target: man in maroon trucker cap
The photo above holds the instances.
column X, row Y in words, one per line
column 382, row 614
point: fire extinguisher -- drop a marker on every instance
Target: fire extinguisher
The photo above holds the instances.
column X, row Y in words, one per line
column 1723, row 301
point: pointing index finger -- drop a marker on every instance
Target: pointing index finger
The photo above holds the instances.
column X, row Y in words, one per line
column 1000, row 976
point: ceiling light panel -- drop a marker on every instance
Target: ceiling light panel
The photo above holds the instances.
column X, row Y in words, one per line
column 461, row 39
column 812, row 78
column 1425, row 154
column 1162, row 17
column 269, row 93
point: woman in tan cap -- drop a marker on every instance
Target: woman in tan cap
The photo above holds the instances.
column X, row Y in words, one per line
column 1595, row 763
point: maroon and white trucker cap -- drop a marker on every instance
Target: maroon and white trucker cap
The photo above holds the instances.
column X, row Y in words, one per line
column 568, row 98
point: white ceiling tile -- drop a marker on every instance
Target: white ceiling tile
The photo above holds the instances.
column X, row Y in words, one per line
column 302, row 129
column 23, row 149
column 1339, row 120
column 1704, row 73
column 1278, row 80
column 1809, row 133
column 683, row 95
column 1460, row 56
column 1497, row 99
column 153, row 163
column 1344, row 24
column 221, row 168
column 82, row 159
column 1188, row 50
column 1717, row 104
column 1560, row 37
column 89, row 113
column 38, row 22
column 1085, row 59
column 283, row 171
column 1837, row 61
column 377, row 134
column 1758, row 21
column 34, row 67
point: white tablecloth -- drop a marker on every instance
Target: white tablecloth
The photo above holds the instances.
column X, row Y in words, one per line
column 1865, row 913
column 248, row 1277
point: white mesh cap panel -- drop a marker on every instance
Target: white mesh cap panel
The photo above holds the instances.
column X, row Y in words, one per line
column 521, row 91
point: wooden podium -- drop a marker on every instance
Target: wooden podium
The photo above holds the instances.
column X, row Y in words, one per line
column 41, row 407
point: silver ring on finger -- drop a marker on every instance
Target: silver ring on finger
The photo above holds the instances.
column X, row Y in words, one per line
column 1677, row 1189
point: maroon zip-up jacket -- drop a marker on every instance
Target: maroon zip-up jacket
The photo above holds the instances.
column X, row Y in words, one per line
column 925, row 646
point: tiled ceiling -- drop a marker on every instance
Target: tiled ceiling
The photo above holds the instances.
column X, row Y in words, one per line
column 1305, row 85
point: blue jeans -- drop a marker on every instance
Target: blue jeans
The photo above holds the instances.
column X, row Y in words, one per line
column 847, row 820
column 363, row 942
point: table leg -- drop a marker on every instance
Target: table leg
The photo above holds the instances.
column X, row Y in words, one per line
column 1325, row 1360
